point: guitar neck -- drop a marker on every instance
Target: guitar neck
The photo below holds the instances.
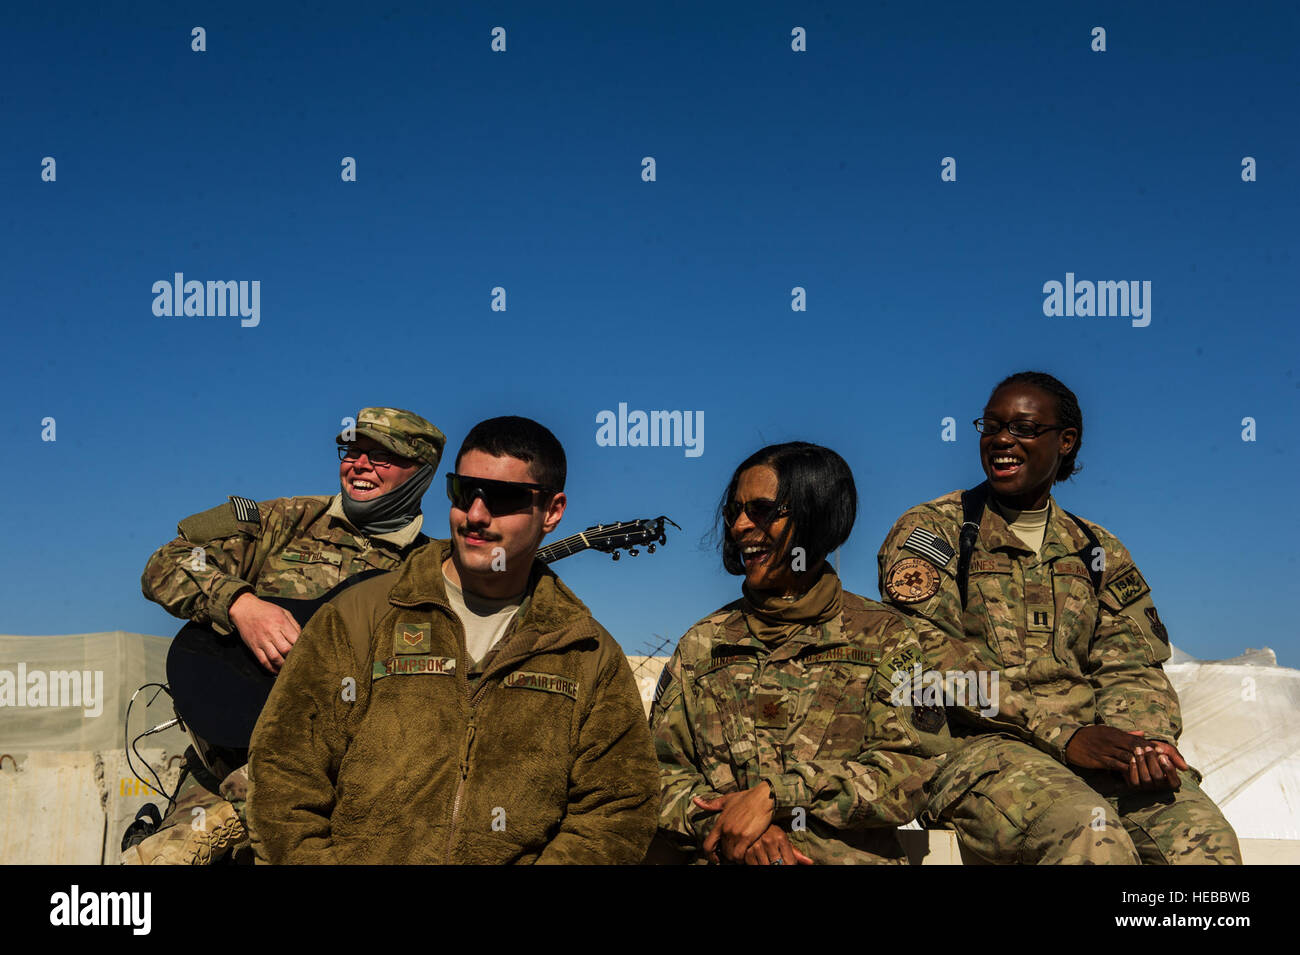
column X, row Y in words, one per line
column 565, row 547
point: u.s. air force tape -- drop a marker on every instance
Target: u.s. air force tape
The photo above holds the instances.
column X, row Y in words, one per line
column 245, row 510
column 547, row 682
column 929, row 545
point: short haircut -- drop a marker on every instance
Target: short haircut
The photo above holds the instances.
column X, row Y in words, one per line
column 816, row 485
column 522, row 438
column 1068, row 413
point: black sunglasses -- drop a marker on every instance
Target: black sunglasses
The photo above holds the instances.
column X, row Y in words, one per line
column 499, row 497
column 760, row 510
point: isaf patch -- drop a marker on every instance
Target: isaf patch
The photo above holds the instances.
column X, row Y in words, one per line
column 411, row 638
column 1128, row 587
column 912, row 580
column 906, row 660
column 930, row 546
column 1157, row 627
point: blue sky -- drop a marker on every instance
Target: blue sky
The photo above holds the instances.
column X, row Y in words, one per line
column 774, row 169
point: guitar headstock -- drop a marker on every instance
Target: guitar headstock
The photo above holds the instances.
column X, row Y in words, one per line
column 613, row 539
column 628, row 536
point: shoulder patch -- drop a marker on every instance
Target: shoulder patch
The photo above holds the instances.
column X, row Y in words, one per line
column 1127, row 587
column 928, row 719
column 1157, row 627
column 907, row 660
column 217, row 522
column 912, row 580
column 930, row 546
column 245, row 510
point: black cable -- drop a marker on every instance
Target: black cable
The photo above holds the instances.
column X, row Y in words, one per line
column 131, row 746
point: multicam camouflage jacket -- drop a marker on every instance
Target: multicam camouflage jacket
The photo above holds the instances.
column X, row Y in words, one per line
column 287, row 547
column 812, row 715
column 1066, row 655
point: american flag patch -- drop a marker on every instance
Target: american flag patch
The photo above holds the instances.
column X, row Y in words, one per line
column 245, row 510
column 929, row 546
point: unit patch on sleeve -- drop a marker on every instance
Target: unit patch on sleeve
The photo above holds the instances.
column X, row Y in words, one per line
column 1128, row 587
column 929, row 545
column 1157, row 627
column 912, row 580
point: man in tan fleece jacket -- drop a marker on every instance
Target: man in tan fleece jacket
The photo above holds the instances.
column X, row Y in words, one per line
column 465, row 708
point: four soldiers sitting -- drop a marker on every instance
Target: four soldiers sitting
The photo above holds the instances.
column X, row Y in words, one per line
column 464, row 706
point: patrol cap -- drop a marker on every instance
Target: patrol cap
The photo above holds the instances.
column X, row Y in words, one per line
column 402, row 432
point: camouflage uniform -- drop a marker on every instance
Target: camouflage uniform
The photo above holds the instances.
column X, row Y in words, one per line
column 1066, row 656
column 297, row 547
column 812, row 716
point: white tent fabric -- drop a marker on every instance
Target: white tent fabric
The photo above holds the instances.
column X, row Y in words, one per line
column 1241, row 729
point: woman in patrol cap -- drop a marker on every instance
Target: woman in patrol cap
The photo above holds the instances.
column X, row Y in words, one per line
column 777, row 738
column 1077, row 761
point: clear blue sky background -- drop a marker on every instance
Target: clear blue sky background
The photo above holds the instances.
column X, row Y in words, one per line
column 775, row 169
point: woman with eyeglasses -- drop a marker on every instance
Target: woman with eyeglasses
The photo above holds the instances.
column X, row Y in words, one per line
column 776, row 725
column 1077, row 760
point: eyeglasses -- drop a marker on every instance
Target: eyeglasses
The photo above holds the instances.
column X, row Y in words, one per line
column 499, row 497
column 1019, row 429
column 379, row 458
column 760, row 510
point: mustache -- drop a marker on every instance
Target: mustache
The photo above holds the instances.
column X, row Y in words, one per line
column 466, row 529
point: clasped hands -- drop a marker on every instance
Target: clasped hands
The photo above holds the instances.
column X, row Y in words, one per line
column 1145, row 764
column 744, row 832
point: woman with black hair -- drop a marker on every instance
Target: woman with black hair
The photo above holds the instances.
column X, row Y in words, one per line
column 1077, row 761
column 777, row 730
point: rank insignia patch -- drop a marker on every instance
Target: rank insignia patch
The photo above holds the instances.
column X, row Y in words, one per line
column 411, row 638
column 912, row 580
column 1157, row 627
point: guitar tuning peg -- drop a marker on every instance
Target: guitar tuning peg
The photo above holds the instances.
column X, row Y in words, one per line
column 650, row 548
column 633, row 551
column 617, row 555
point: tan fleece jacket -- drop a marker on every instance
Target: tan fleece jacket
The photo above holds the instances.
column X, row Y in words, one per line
column 373, row 749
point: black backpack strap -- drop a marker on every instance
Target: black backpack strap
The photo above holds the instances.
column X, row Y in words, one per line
column 972, row 511
column 1088, row 554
